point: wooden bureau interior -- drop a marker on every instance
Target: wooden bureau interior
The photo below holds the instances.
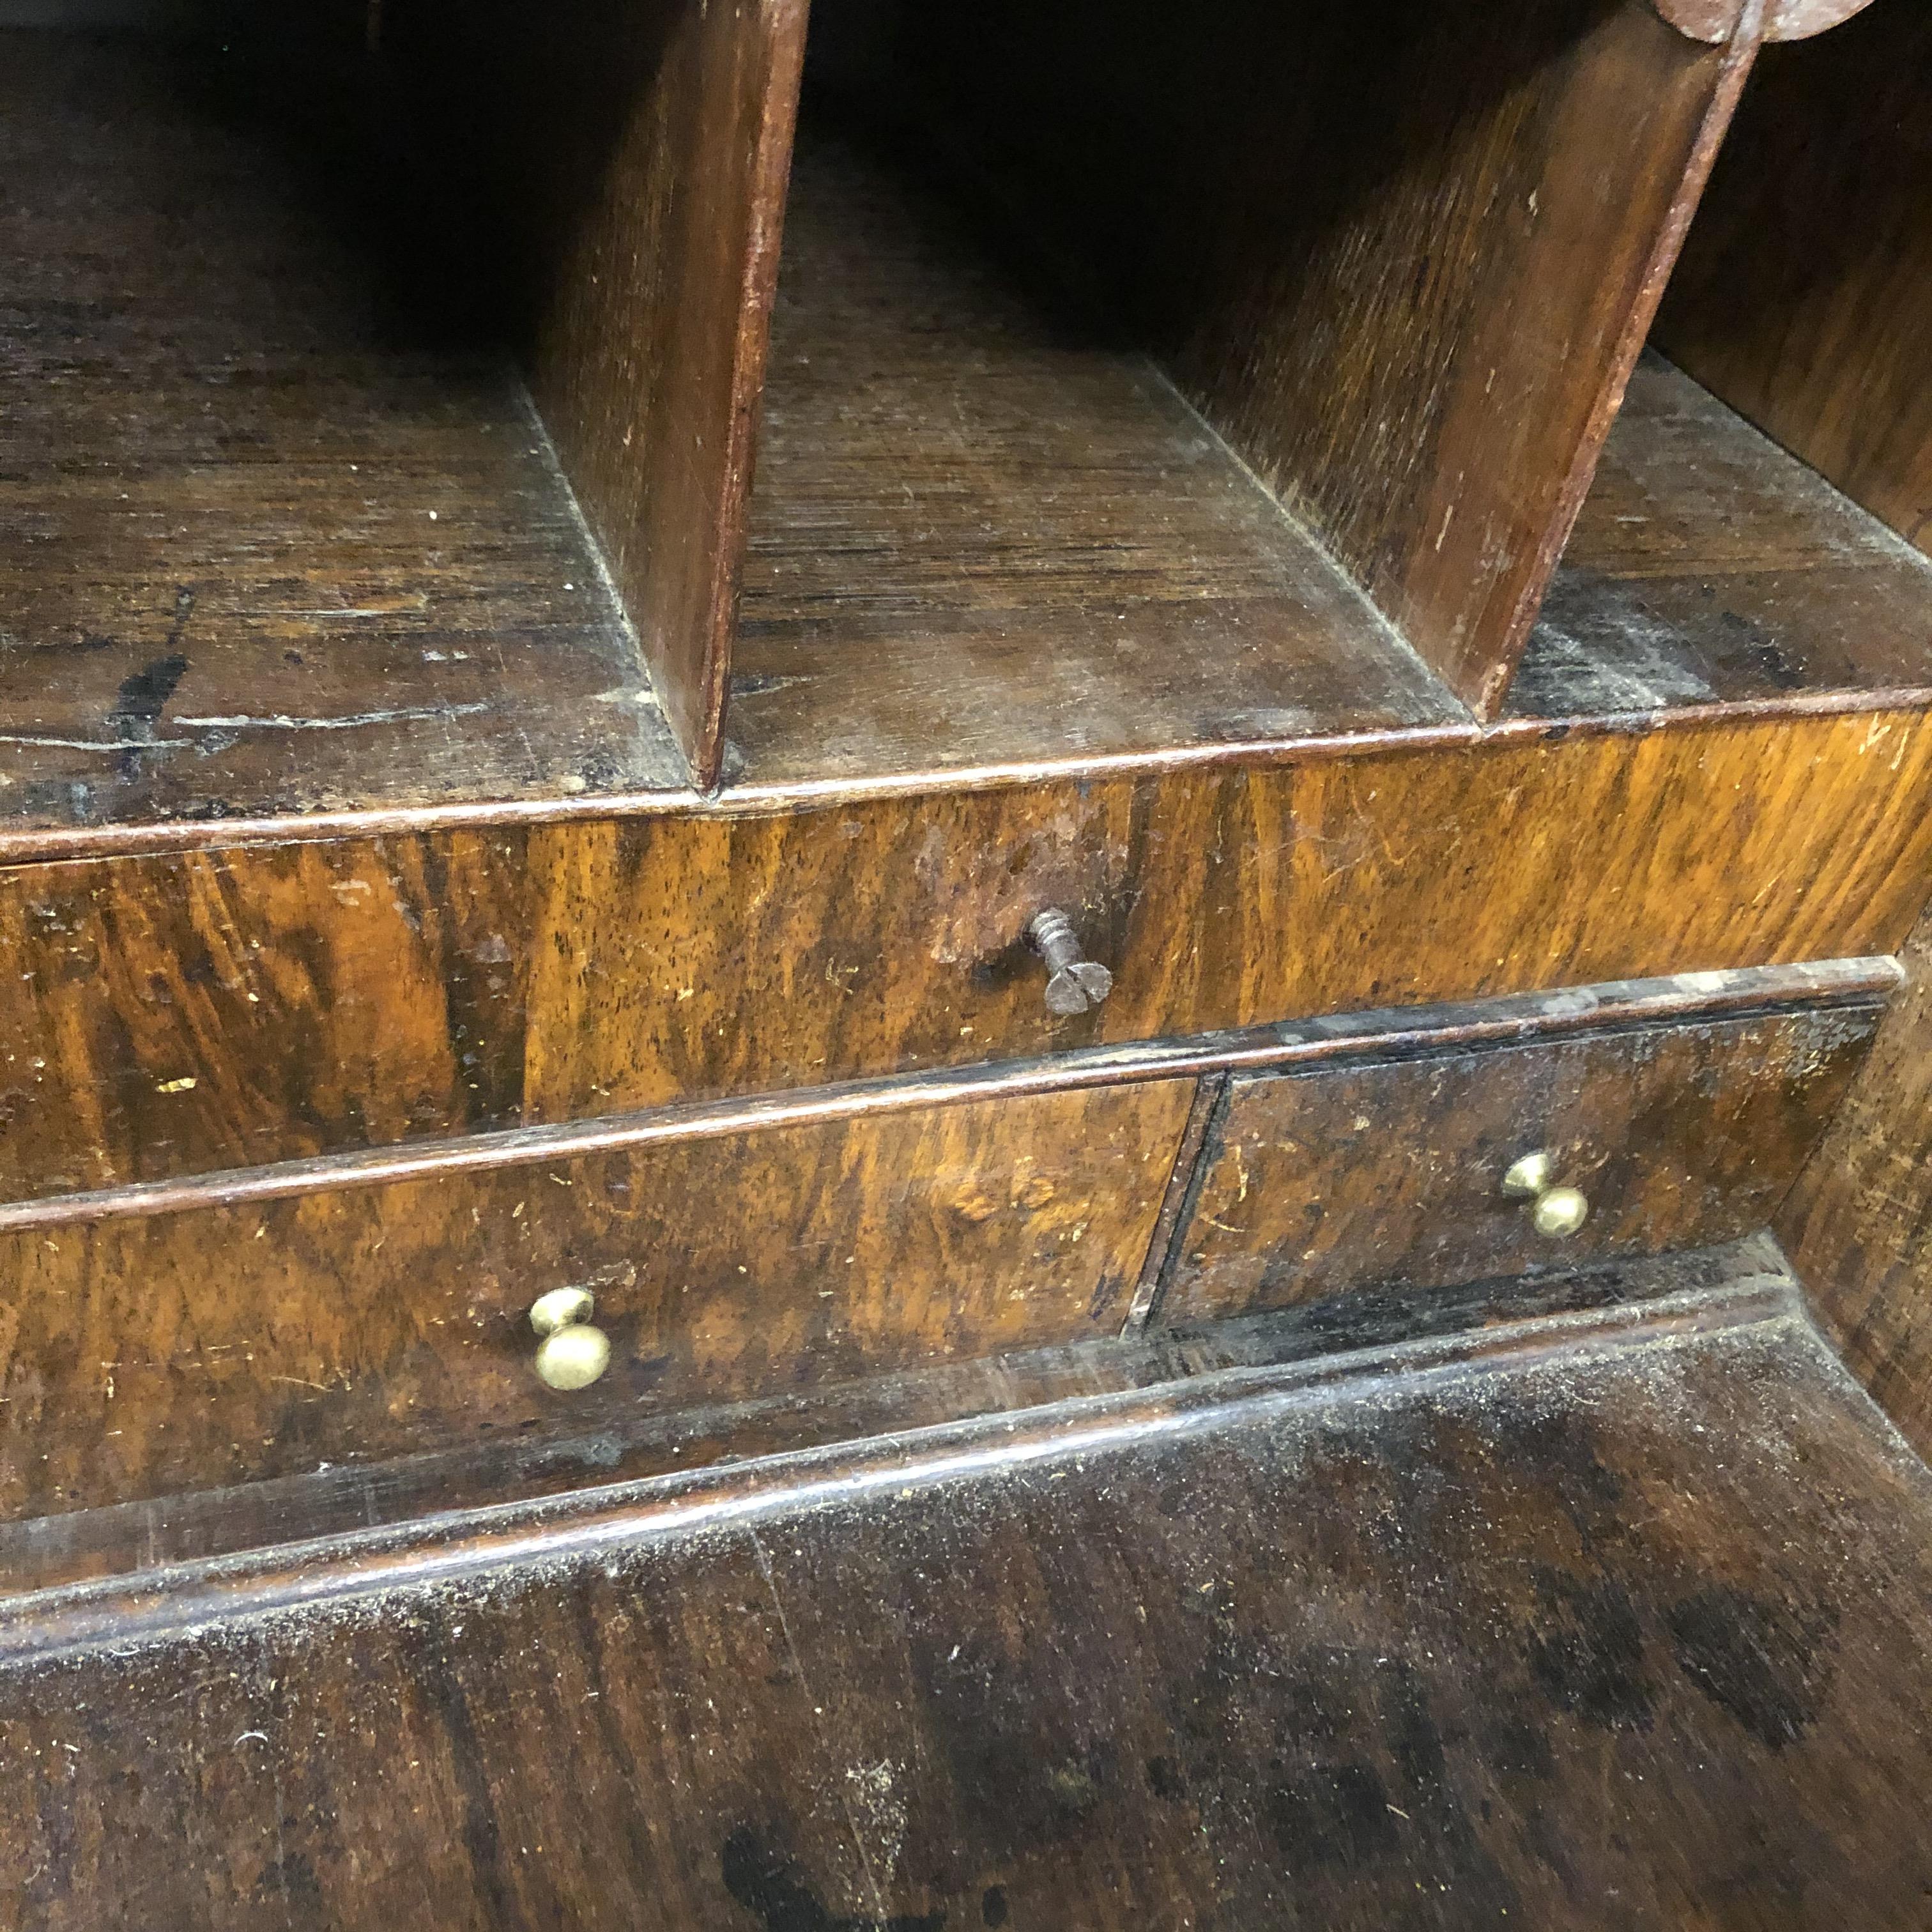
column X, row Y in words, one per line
column 743, row 747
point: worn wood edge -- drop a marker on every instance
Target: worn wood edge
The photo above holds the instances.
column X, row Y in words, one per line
column 1714, row 20
column 757, row 294
column 1449, row 1027
column 740, row 799
column 99, row 1542
column 1639, row 312
column 1184, row 1183
column 48, row 845
column 163, row 1604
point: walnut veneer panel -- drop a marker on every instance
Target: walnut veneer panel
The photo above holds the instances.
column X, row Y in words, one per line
column 215, row 1345
column 369, row 991
column 1680, row 1136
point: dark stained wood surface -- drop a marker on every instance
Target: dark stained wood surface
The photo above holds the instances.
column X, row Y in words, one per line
column 219, row 1345
column 251, row 634
column 981, row 533
column 1710, row 568
column 1403, row 259
column 1804, row 295
column 370, row 991
column 276, row 540
column 1317, row 1183
column 634, row 159
column 1618, row 1638
column 1477, row 318
column 1859, row 1224
column 172, row 1561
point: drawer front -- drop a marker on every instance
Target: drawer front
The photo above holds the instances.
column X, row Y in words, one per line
column 217, row 1344
column 1398, row 1170
column 182, row 1013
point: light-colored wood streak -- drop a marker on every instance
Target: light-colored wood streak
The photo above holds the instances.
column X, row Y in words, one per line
column 225, row 1344
column 371, row 992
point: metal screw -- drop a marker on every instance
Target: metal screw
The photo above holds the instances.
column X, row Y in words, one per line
column 1075, row 984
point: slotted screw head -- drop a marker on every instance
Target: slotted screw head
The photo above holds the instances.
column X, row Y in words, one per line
column 1073, row 984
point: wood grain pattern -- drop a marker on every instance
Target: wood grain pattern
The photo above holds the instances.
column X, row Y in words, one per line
column 1403, row 262
column 205, row 1010
column 1805, row 296
column 1859, row 1224
column 1315, row 1184
column 1387, row 1031
column 981, row 533
column 634, row 162
column 171, row 1564
column 368, row 992
column 1708, row 567
column 280, row 538
column 219, row 1345
column 1443, row 446
column 1634, row 1626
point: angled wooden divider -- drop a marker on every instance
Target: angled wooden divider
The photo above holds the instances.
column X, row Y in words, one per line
column 1404, row 260
column 1805, row 296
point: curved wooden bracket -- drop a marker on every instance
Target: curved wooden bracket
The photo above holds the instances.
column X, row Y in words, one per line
column 1715, row 20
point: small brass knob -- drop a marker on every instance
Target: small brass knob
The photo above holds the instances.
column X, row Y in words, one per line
column 1559, row 1213
column 1074, row 984
column 572, row 1353
column 1555, row 1212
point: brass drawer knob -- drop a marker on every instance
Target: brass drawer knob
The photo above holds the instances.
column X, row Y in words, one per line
column 572, row 1353
column 1074, row 984
column 1555, row 1212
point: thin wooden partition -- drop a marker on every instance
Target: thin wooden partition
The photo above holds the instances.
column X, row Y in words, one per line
column 624, row 166
column 1402, row 259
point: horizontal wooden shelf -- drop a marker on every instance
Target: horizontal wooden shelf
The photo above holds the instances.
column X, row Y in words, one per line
column 274, row 544
column 283, row 547
column 1640, row 1619
column 979, row 535
column 1709, row 567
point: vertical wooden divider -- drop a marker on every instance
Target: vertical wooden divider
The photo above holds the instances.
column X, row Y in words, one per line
column 627, row 171
column 1858, row 1225
column 1403, row 257
column 1430, row 378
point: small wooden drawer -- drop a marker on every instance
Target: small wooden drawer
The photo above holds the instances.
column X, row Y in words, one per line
column 730, row 1256
column 179, row 1013
column 1392, row 1170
